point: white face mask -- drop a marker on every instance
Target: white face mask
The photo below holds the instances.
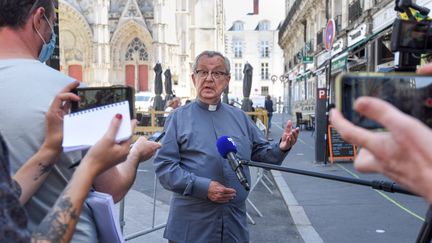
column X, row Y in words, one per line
column 47, row 48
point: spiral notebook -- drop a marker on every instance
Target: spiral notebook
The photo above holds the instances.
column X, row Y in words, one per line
column 105, row 215
column 83, row 129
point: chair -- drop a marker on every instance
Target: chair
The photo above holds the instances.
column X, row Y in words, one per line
column 300, row 121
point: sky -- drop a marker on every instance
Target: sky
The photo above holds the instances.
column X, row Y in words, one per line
column 273, row 10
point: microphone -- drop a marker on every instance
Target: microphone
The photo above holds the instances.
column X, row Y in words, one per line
column 227, row 149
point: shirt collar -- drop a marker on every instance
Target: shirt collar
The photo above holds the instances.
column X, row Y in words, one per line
column 209, row 107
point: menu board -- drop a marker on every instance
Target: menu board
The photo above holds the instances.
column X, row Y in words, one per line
column 339, row 149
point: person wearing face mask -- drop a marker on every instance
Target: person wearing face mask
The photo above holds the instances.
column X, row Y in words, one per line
column 27, row 87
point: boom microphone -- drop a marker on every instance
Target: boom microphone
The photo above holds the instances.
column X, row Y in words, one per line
column 227, row 149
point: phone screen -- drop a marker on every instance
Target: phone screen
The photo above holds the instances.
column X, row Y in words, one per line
column 92, row 97
column 156, row 137
column 410, row 94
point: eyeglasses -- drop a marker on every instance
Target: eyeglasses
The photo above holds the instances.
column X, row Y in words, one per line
column 214, row 74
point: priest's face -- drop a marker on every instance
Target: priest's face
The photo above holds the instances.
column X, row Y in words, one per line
column 210, row 79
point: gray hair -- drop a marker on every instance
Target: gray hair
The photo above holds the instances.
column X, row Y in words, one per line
column 212, row 54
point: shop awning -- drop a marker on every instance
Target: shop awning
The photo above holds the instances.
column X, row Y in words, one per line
column 302, row 75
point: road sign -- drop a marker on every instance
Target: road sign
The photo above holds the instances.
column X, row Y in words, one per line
column 322, row 94
column 329, row 34
column 307, row 59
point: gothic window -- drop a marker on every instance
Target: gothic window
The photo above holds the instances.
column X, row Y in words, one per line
column 136, row 50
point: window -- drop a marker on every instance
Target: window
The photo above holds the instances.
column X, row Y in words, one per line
column 310, row 89
column 136, row 51
column 238, row 26
column 264, row 25
column 264, row 90
column 264, row 49
column 265, row 71
column 238, row 49
column 238, row 72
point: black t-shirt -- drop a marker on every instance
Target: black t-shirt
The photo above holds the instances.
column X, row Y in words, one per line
column 13, row 218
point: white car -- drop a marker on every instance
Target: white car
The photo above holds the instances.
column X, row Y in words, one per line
column 144, row 101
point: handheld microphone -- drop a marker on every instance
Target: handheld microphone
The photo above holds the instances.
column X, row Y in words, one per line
column 227, row 149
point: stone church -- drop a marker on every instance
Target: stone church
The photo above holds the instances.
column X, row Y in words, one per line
column 118, row 42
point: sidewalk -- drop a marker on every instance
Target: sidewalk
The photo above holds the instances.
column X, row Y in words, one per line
column 297, row 212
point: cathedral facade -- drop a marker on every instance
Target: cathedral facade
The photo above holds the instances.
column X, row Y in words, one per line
column 118, row 42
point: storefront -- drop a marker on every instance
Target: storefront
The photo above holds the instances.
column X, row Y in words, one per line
column 382, row 21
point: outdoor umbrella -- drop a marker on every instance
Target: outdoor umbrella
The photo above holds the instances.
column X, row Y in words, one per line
column 225, row 95
column 168, row 85
column 158, row 102
column 247, row 86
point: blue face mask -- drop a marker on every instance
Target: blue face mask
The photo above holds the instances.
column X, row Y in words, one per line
column 47, row 48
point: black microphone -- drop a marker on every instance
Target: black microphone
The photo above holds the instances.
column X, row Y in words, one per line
column 228, row 149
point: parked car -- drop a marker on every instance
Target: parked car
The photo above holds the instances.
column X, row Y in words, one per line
column 144, row 101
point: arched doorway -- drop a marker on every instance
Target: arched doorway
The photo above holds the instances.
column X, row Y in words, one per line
column 136, row 68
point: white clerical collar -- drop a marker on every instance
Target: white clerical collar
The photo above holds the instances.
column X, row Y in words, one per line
column 212, row 107
column 209, row 107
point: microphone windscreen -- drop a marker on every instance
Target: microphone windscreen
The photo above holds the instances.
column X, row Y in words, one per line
column 225, row 145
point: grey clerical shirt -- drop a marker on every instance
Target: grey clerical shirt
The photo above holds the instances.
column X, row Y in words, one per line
column 188, row 160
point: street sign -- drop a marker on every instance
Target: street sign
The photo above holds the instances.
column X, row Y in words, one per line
column 329, row 34
column 307, row 59
column 322, row 94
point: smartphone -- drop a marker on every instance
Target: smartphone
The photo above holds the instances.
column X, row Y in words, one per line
column 409, row 92
column 156, row 137
column 92, row 97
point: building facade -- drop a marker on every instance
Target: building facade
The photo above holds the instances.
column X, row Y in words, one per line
column 253, row 38
column 118, row 42
column 361, row 43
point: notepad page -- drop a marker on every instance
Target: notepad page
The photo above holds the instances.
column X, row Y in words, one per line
column 83, row 129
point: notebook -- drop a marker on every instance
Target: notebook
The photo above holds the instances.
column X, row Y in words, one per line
column 105, row 215
column 83, row 129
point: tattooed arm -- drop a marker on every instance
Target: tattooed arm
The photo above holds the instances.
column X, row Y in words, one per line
column 59, row 224
column 34, row 172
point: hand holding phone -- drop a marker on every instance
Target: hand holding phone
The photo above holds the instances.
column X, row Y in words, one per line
column 92, row 97
column 410, row 93
column 156, row 137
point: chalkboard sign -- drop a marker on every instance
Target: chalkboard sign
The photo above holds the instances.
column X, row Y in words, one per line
column 339, row 149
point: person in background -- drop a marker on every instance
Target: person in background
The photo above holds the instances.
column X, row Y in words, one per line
column 27, row 39
column 269, row 108
column 208, row 202
column 176, row 103
column 60, row 222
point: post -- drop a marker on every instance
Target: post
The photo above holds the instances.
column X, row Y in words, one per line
column 321, row 121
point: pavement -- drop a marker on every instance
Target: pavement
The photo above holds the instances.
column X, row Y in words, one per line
column 292, row 208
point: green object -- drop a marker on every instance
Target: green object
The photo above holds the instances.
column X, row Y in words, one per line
column 308, row 59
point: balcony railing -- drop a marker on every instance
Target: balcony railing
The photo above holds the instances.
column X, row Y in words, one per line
column 288, row 18
column 354, row 10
